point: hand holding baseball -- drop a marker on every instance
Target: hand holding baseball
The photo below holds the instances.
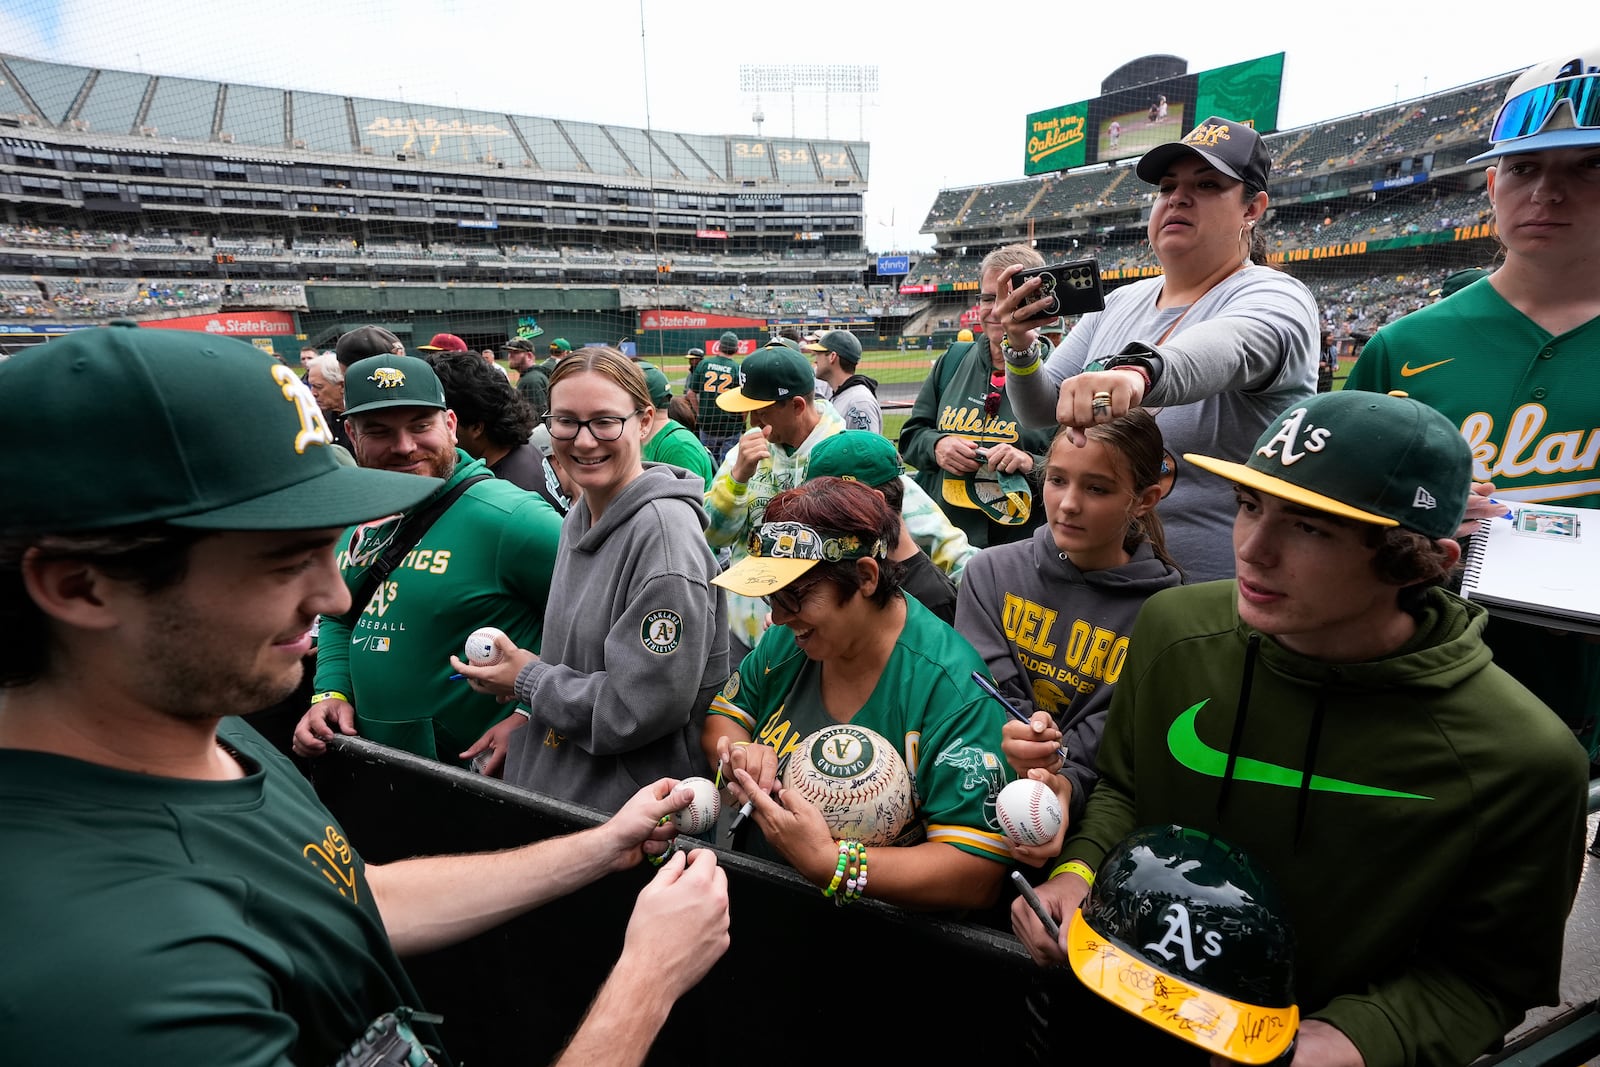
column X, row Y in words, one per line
column 640, row 827
column 1038, row 848
column 494, row 661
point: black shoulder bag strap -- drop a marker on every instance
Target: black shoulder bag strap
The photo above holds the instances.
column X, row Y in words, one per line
column 405, row 539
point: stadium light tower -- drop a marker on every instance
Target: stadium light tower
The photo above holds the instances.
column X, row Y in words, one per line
column 828, row 79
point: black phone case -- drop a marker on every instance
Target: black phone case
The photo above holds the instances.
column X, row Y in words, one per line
column 1075, row 287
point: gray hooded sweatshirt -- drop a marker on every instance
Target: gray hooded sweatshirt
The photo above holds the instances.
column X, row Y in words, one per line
column 635, row 647
column 1056, row 638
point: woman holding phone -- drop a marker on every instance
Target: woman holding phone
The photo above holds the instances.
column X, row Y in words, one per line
column 1217, row 346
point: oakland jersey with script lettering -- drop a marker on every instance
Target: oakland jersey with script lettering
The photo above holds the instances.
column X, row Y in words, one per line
column 925, row 703
column 1422, row 814
column 1529, row 405
column 156, row 921
column 1527, row 402
column 959, row 409
column 1056, row 638
column 485, row 562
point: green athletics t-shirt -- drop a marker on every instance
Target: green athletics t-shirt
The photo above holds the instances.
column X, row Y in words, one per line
column 713, row 376
column 161, row 921
column 925, row 703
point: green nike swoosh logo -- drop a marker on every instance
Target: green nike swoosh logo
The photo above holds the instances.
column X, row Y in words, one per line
column 1187, row 748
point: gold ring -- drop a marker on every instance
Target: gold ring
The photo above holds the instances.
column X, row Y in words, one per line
column 1100, row 400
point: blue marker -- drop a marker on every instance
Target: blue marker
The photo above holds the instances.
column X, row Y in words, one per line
column 1510, row 511
column 1016, row 712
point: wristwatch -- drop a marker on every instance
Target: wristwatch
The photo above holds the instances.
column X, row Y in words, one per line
column 1146, row 361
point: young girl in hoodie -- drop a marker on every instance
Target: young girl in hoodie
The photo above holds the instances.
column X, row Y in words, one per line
column 1051, row 615
column 636, row 637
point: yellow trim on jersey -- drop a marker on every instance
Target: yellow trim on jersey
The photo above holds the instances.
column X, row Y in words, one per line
column 720, row 705
column 979, row 842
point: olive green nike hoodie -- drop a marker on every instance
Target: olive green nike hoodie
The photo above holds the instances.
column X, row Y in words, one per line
column 1423, row 814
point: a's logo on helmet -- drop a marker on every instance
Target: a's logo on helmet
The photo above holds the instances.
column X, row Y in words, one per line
column 388, row 377
column 1180, row 932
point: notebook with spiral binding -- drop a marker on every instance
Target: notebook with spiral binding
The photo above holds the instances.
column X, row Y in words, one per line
column 1540, row 565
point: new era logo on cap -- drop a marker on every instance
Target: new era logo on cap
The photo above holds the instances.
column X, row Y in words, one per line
column 1424, row 499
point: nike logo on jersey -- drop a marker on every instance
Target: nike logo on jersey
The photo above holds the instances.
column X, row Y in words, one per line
column 1186, row 747
column 1408, row 371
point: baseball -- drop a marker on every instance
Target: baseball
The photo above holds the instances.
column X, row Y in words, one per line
column 1029, row 812
column 857, row 780
column 701, row 813
column 481, row 650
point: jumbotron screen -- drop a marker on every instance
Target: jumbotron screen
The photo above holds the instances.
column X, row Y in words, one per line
column 1131, row 121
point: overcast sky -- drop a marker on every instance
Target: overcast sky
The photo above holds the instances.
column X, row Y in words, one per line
column 955, row 81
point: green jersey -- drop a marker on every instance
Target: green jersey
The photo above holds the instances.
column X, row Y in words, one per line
column 925, row 702
column 715, row 375
column 158, row 921
column 486, row 562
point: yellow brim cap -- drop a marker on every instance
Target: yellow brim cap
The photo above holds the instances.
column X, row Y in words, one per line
column 735, row 400
column 762, row 575
column 1266, row 483
column 1243, row 1033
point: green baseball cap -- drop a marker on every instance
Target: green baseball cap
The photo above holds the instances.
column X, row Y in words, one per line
column 225, row 436
column 1382, row 459
column 859, row 455
column 779, row 341
column 728, row 343
column 660, row 391
column 560, row 344
column 391, row 382
column 767, row 376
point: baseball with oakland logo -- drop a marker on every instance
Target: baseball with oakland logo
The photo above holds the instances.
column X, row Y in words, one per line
column 483, row 646
column 856, row 779
column 1029, row 812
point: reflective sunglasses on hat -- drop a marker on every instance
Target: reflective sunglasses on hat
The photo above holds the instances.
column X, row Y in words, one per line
column 1526, row 113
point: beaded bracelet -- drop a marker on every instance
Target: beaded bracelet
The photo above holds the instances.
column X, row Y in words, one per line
column 838, row 873
column 857, row 884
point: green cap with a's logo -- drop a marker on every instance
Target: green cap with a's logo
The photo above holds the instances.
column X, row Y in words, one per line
column 1382, row 459
column 769, row 376
column 195, row 430
column 391, row 382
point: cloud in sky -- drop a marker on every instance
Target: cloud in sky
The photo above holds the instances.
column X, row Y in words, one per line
column 955, row 83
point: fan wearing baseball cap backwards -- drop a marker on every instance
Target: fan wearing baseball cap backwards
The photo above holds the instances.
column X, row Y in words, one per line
column 1336, row 713
column 1510, row 358
column 202, row 904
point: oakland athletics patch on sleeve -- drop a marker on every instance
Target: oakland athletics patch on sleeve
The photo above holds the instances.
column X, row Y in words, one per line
column 661, row 631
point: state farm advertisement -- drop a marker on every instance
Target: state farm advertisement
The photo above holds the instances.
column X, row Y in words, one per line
column 230, row 323
column 694, row 320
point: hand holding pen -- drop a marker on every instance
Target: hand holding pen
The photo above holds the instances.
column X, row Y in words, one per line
column 1036, row 732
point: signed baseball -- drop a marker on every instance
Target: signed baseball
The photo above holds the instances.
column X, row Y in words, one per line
column 857, row 780
column 481, row 650
column 701, row 813
column 1029, row 812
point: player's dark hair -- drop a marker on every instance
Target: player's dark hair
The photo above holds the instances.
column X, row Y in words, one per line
column 894, row 494
column 481, row 396
column 152, row 556
column 1409, row 559
column 846, row 507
